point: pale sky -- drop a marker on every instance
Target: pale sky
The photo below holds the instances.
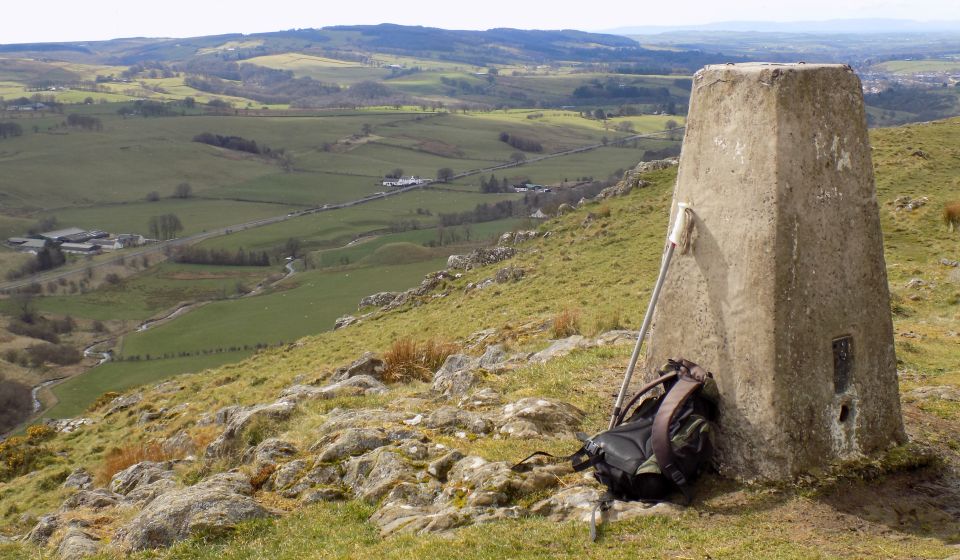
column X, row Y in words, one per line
column 77, row 20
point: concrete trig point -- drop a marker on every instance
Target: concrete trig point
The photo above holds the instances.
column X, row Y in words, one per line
column 783, row 293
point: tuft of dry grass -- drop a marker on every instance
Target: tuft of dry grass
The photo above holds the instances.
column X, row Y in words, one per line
column 603, row 322
column 951, row 215
column 120, row 458
column 407, row 359
column 566, row 323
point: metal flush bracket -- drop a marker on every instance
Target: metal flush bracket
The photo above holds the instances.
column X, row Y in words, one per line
column 842, row 363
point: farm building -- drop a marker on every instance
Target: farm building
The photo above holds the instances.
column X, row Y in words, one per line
column 403, row 182
column 79, row 248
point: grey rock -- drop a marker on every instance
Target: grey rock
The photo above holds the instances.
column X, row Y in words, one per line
column 440, row 467
column 123, row 402
column 77, row 544
column 480, row 257
column 226, row 442
column 179, row 443
column 223, row 416
column 168, row 387
column 948, row 262
column 146, row 493
column 373, row 475
column 378, row 300
column 577, row 502
column 494, row 356
column 289, row 473
column 344, row 321
column 456, row 375
column 93, row 499
column 532, row 416
column 69, row 425
column 79, row 479
column 323, row 495
column 449, row 419
column 270, row 452
column 352, row 441
column 561, row 348
column 915, row 283
column 517, row 237
column 484, row 398
column 414, row 449
column 342, row 418
column 44, row 529
column 508, row 274
column 617, row 337
column 211, row 507
column 139, row 474
column 368, row 364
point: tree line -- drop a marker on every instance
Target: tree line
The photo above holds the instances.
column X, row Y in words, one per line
column 164, row 227
column 84, row 122
column 10, row 129
column 222, row 257
column 521, row 142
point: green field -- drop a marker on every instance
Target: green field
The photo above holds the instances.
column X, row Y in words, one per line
column 76, row 394
column 196, row 214
column 307, row 303
column 148, row 293
column 918, row 66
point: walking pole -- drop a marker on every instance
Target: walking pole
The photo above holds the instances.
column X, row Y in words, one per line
column 677, row 237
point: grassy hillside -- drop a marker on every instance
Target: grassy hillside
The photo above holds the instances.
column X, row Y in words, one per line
column 602, row 267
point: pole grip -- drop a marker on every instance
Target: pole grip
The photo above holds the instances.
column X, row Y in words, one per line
column 679, row 224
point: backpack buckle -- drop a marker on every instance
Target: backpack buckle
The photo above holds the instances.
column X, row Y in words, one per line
column 592, row 447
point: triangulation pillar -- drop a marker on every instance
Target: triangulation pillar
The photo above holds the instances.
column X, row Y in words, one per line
column 783, row 293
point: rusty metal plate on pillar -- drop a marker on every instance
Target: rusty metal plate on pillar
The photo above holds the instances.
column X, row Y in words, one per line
column 842, row 363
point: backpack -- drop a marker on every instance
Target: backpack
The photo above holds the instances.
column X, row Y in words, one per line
column 662, row 446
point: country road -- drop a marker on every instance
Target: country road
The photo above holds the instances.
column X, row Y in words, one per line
column 55, row 275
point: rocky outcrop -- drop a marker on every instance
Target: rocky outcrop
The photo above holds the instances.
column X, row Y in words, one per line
column 480, row 257
column 532, row 416
column 91, row 499
column 226, row 442
column 122, row 403
column 368, row 364
column 269, row 452
column 344, row 321
column 517, row 237
column 140, row 474
column 352, row 386
column 80, row 479
column 562, row 347
column 77, row 544
column 909, row 204
column 211, row 507
column 378, row 299
column 373, row 475
column 456, row 375
column 352, row 441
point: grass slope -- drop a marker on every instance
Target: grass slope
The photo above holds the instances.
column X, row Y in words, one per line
column 605, row 269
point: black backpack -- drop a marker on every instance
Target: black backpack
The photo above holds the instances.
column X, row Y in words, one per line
column 663, row 445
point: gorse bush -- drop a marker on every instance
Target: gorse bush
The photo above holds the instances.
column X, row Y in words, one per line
column 408, row 360
column 24, row 454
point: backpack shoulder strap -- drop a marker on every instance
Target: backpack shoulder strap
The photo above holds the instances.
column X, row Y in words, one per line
column 688, row 382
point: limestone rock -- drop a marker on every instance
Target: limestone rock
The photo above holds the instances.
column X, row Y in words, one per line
column 484, row 398
column 142, row 473
column 517, row 237
column 440, row 467
column 69, row 425
column 168, row 387
column 455, row 376
column 289, row 473
column 617, row 337
column 373, row 475
column 323, row 495
column 93, row 499
column 211, row 507
column 239, row 420
column 179, row 443
column 577, row 502
column 151, row 415
column 351, row 386
column 378, row 299
column 344, row 321
column 480, row 257
column 493, row 357
column 44, row 529
column 80, row 479
column 449, row 419
column 561, row 348
column 533, row 416
column 352, row 441
column 123, row 402
column 342, row 418
column 368, row 364
column 77, row 544
column 145, row 493
column 949, row 262
column 270, row 452
column 508, row 274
